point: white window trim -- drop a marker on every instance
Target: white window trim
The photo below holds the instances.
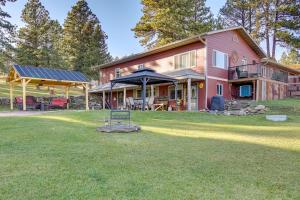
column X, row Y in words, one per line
column 189, row 59
column 220, row 67
column 116, row 70
column 222, row 91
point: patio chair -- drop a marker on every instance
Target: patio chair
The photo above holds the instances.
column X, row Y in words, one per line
column 132, row 105
column 241, row 74
column 156, row 106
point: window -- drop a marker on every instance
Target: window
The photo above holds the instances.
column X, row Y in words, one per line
column 220, row 59
column 117, row 72
column 172, row 92
column 245, row 90
column 138, row 92
column 220, row 89
column 141, row 66
column 185, row 60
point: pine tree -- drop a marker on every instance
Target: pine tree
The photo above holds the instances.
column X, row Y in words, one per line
column 279, row 22
column 32, row 38
column 6, row 28
column 83, row 40
column 54, row 45
column 240, row 13
column 293, row 57
column 40, row 39
column 166, row 21
column 7, row 38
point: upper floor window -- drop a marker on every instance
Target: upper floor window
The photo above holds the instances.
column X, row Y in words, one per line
column 220, row 89
column 220, row 59
column 185, row 60
column 117, row 72
column 141, row 66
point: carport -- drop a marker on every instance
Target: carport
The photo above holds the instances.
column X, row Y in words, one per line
column 42, row 76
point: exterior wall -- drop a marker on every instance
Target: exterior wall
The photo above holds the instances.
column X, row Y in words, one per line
column 274, row 90
column 212, row 89
column 161, row 62
column 294, row 86
column 224, row 42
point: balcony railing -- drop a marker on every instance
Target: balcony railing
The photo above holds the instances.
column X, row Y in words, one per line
column 255, row 71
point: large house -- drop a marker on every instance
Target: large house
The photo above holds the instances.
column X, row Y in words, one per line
column 225, row 62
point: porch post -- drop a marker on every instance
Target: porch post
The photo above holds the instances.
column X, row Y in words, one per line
column 67, row 97
column 111, row 100
column 24, row 94
column 176, row 95
column 11, row 88
column 254, row 90
column 103, row 100
column 144, row 93
column 87, row 97
column 152, row 96
column 189, row 92
column 124, row 98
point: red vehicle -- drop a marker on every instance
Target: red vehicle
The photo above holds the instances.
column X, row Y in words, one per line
column 58, row 103
column 31, row 103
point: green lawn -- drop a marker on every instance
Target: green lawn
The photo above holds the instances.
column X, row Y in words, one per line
column 176, row 156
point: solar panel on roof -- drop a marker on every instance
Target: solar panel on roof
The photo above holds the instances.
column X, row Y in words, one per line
column 47, row 73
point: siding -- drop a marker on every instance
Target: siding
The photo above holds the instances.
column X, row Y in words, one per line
column 161, row 62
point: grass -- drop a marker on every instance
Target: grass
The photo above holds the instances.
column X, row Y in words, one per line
column 176, row 156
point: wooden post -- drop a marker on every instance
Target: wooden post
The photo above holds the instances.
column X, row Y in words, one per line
column 189, row 94
column 230, row 90
column 24, row 93
column 144, row 93
column 67, row 96
column 152, row 96
column 257, row 90
column 103, row 100
column 254, row 90
column 11, row 88
column 87, row 97
column 124, row 98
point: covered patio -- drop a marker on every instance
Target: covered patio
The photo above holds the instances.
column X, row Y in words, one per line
column 189, row 82
column 40, row 76
column 144, row 77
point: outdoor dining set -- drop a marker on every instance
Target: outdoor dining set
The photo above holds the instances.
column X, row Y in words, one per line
column 136, row 104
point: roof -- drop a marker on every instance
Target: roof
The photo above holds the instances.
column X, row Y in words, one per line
column 295, row 66
column 280, row 66
column 106, row 87
column 185, row 73
column 136, row 78
column 190, row 40
column 42, row 73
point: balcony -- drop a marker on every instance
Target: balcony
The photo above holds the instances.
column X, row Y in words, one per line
column 255, row 71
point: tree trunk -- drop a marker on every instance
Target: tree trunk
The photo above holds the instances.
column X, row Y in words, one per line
column 275, row 30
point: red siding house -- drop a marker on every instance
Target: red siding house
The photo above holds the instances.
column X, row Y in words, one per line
column 225, row 62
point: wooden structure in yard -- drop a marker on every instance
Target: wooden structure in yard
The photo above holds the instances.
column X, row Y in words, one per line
column 41, row 76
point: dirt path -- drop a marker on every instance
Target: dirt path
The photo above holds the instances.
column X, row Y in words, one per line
column 21, row 113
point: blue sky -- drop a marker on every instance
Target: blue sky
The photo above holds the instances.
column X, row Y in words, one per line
column 117, row 18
